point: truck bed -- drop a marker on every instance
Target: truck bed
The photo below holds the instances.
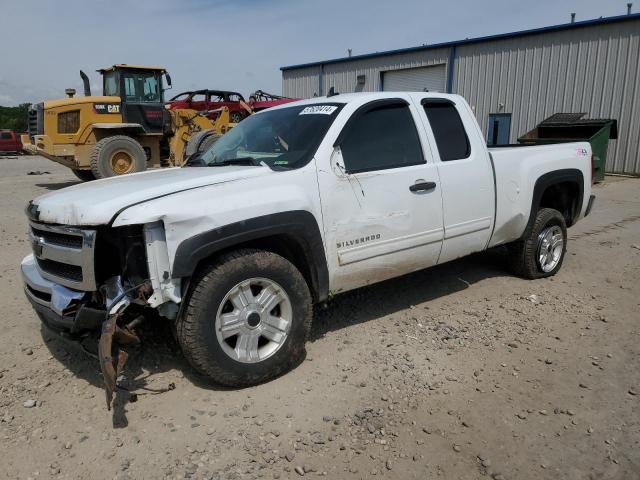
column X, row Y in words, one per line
column 517, row 168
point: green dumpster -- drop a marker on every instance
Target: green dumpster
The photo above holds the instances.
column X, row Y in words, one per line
column 571, row 127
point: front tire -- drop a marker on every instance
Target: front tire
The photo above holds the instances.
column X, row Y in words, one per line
column 235, row 117
column 117, row 155
column 541, row 253
column 247, row 318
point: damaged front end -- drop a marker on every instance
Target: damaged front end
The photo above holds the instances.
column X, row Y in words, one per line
column 112, row 358
column 82, row 281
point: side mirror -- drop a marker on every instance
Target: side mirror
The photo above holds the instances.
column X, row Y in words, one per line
column 168, row 77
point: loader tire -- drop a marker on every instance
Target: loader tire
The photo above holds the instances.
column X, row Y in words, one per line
column 117, row 155
column 246, row 318
column 541, row 252
column 201, row 142
column 84, row 175
column 208, row 142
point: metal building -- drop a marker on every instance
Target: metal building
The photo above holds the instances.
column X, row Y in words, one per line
column 513, row 81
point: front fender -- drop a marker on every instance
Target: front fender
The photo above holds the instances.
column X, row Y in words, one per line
column 202, row 221
column 299, row 225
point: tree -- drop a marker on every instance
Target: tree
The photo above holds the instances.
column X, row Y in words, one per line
column 14, row 118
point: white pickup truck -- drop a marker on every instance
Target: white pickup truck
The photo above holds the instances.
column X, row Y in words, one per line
column 293, row 205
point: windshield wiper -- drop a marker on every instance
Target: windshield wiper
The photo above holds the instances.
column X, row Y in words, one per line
column 250, row 161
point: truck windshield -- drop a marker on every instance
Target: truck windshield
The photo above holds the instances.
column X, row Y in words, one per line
column 283, row 139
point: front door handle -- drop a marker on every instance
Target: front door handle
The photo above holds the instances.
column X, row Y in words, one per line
column 422, row 186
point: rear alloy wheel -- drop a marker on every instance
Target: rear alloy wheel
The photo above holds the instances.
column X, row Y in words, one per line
column 235, row 117
column 550, row 248
column 246, row 319
column 541, row 252
column 118, row 155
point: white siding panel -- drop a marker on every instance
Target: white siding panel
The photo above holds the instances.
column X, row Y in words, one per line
column 301, row 83
column 593, row 69
column 343, row 76
column 415, row 79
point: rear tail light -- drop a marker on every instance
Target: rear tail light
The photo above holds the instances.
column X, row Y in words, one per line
column 593, row 169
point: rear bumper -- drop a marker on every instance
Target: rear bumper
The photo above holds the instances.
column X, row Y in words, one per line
column 59, row 308
column 592, row 199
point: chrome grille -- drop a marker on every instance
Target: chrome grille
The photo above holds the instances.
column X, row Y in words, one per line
column 64, row 255
column 62, row 240
column 61, row 270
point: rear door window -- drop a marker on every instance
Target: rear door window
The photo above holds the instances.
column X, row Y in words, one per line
column 381, row 138
column 448, row 130
column 5, row 136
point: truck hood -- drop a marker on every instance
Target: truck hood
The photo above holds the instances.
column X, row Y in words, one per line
column 97, row 202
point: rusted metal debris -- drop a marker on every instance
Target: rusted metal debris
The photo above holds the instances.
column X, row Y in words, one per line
column 112, row 358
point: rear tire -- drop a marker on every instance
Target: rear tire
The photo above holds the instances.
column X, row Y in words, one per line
column 243, row 296
column 117, row 155
column 541, row 253
column 235, row 117
column 84, row 175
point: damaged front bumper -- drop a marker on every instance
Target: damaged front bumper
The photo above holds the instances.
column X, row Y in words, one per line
column 65, row 311
column 59, row 308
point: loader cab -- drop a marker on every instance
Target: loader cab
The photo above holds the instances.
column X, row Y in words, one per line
column 141, row 93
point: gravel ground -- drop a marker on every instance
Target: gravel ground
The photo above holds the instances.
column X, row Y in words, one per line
column 458, row 372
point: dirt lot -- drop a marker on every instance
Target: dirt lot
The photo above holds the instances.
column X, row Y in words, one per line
column 459, row 372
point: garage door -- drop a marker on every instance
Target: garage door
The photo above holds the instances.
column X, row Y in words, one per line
column 415, row 79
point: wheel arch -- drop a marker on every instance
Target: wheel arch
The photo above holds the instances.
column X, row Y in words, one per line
column 295, row 235
column 562, row 190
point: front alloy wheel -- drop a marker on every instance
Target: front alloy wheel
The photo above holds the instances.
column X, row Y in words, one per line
column 246, row 318
column 253, row 320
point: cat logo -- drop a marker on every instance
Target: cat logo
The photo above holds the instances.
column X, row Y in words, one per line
column 106, row 108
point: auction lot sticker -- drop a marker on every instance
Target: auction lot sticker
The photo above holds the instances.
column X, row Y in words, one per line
column 319, row 110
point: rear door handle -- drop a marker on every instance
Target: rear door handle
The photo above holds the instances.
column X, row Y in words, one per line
column 422, row 186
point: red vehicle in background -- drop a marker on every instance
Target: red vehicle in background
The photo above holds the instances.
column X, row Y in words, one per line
column 260, row 100
column 213, row 99
column 10, row 142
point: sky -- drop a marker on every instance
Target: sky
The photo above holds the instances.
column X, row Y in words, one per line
column 238, row 45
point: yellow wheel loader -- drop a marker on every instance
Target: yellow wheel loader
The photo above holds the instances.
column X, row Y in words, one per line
column 128, row 129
